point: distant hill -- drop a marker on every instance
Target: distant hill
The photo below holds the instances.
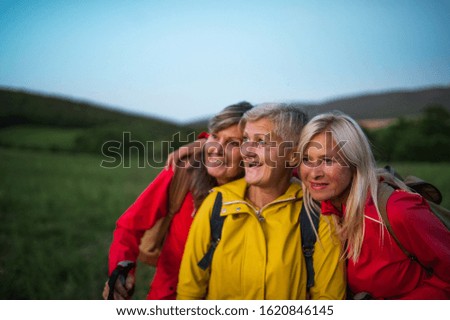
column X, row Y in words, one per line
column 28, row 118
column 376, row 106
column 385, row 105
column 44, row 123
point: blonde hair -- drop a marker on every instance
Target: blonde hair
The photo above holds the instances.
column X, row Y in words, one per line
column 358, row 155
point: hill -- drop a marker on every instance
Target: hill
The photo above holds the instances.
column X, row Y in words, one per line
column 385, row 105
column 373, row 107
column 34, row 121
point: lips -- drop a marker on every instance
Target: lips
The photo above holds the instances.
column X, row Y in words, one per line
column 318, row 185
column 216, row 159
column 252, row 164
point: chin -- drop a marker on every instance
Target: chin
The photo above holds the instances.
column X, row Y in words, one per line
column 219, row 173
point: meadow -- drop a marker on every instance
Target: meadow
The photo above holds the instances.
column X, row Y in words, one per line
column 58, row 212
column 58, row 206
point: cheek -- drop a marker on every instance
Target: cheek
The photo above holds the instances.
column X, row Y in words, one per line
column 304, row 171
column 234, row 155
column 343, row 178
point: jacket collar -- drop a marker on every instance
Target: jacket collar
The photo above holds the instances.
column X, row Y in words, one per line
column 234, row 195
column 327, row 208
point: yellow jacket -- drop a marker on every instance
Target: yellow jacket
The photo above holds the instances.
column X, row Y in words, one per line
column 259, row 258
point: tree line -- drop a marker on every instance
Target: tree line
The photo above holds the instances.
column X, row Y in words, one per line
column 424, row 138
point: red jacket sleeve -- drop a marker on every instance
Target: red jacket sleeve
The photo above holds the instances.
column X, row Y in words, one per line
column 420, row 231
column 140, row 216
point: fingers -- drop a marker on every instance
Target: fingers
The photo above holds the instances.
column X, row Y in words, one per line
column 120, row 292
column 129, row 282
column 117, row 295
column 105, row 291
column 193, row 148
column 170, row 162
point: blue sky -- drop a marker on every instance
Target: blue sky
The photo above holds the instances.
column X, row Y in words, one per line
column 182, row 60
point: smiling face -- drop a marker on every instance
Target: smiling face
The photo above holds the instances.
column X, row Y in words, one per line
column 222, row 154
column 265, row 155
column 324, row 171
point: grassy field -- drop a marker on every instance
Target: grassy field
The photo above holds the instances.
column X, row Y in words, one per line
column 39, row 137
column 58, row 211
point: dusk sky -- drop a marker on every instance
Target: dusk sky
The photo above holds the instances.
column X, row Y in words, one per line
column 182, row 60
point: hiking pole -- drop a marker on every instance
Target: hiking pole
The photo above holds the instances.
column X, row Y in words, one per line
column 120, row 272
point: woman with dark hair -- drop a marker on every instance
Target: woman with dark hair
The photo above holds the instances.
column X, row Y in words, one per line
column 220, row 164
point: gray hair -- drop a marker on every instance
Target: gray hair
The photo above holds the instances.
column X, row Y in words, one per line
column 288, row 120
column 228, row 117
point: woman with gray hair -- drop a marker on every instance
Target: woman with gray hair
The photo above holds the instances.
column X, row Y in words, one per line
column 259, row 255
column 338, row 171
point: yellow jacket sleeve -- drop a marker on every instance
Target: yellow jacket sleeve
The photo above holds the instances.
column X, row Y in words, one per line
column 193, row 281
column 329, row 267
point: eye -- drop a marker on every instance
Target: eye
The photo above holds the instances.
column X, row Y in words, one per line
column 328, row 161
column 234, row 143
column 261, row 142
column 306, row 162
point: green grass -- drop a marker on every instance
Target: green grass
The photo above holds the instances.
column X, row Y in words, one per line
column 436, row 173
column 58, row 212
column 39, row 137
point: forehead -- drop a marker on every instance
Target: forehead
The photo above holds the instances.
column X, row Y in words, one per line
column 231, row 131
column 322, row 143
column 261, row 126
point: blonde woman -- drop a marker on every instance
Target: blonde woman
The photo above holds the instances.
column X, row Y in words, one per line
column 338, row 171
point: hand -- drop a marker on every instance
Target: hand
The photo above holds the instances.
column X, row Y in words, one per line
column 121, row 292
column 179, row 156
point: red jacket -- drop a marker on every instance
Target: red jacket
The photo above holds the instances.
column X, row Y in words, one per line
column 140, row 216
column 383, row 270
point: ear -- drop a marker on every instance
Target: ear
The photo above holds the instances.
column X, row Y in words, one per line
column 294, row 159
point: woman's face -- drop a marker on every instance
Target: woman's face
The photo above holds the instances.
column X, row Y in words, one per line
column 324, row 171
column 222, row 154
column 265, row 156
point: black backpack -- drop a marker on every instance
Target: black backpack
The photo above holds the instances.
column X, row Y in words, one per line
column 307, row 233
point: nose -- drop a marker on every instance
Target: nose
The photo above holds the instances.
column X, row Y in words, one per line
column 248, row 149
column 215, row 147
column 317, row 171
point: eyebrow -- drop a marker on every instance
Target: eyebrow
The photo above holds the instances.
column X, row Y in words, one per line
column 258, row 134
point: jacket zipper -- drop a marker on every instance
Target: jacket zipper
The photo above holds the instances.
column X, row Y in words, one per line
column 258, row 212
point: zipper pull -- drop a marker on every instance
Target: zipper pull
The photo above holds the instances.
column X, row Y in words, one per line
column 260, row 217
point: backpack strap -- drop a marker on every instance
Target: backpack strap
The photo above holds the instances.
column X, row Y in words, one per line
column 216, row 223
column 308, row 240
column 384, row 192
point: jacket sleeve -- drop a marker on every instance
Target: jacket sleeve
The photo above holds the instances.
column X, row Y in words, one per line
column 329, row 267
column 193, row 281
column 420, row 231
column 140, row 216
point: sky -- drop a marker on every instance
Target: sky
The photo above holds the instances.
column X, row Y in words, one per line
column 184, row 60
